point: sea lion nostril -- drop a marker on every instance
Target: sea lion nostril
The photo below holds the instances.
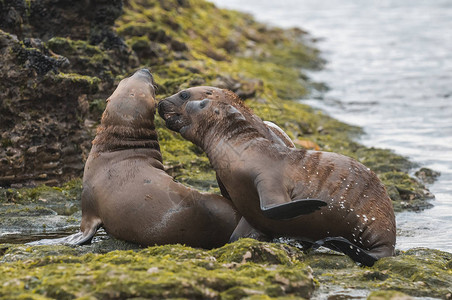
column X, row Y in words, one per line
column 145, row 71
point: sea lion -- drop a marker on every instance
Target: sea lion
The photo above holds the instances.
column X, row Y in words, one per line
column 266, row 128
column 126, row 190
column 261, row 175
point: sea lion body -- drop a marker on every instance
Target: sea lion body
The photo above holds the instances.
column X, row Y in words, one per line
column 267, row 129
column 127, row 191
column 131, row 196
column 259, row 173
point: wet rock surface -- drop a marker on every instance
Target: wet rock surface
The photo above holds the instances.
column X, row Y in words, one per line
column 426, row 175
column 110, row 268
column 57, row 58
column 157, row 272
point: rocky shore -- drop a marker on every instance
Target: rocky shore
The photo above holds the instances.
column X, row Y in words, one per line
column 59, row 62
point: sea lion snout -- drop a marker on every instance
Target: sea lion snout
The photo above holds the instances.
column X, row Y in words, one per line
column 171, row 113
column 144, row 74
column 172, row 104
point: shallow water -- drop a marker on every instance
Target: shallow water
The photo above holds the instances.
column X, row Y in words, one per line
column 389, row 71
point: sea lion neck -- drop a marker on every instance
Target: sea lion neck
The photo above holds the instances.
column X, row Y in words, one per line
column 124, row 136
column 234, row 132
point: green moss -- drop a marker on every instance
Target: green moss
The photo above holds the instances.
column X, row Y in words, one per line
column 417, row 272
column 388, row 295
column 249, row 250
column 97, row 106
column 156, row 272
column 68, row 192
column 69, row 47
column 134, row 29
column 78, row 79
column 84, row 58
column 241, row 269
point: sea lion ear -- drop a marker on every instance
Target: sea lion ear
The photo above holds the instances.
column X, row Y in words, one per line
column 204, row 103
column 234, row 111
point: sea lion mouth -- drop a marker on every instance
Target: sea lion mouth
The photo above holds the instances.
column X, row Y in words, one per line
column 173, row 120
column 165, row 110
column 170, row 115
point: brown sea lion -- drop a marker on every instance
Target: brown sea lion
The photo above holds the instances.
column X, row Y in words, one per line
column 271, row 184
column 126, row 190
column 266, row 128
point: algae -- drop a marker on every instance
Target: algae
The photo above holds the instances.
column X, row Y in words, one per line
column 70, row 191
column 242, row 269
column 156, row 272
column 418, row 272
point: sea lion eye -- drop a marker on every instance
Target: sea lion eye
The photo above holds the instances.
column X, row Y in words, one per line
column 184, row 95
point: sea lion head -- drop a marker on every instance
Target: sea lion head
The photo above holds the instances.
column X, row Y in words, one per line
column 169, row 108
column 132, row 101
column 194, row 119
column 128, row 119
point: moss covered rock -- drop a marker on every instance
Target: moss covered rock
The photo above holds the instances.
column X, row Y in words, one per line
column 246, row 268
column 389, row 295
column 417, row 272
column 172, row 271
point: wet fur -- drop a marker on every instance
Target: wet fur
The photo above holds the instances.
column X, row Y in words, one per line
column 238, row 152
column 126, row 191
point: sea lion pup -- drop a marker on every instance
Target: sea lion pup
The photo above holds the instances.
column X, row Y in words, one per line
column 266, row 128
column 258, row 173
column 126, row 190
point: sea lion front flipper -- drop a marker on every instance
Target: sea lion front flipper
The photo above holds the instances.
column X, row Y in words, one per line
column 276, row 203
column 292, row 209
column 245, row 230
column 345, row 246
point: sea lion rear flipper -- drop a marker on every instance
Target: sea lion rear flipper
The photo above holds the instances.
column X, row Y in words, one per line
column 345, row 246
column 292, row 209
column 79, row 238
